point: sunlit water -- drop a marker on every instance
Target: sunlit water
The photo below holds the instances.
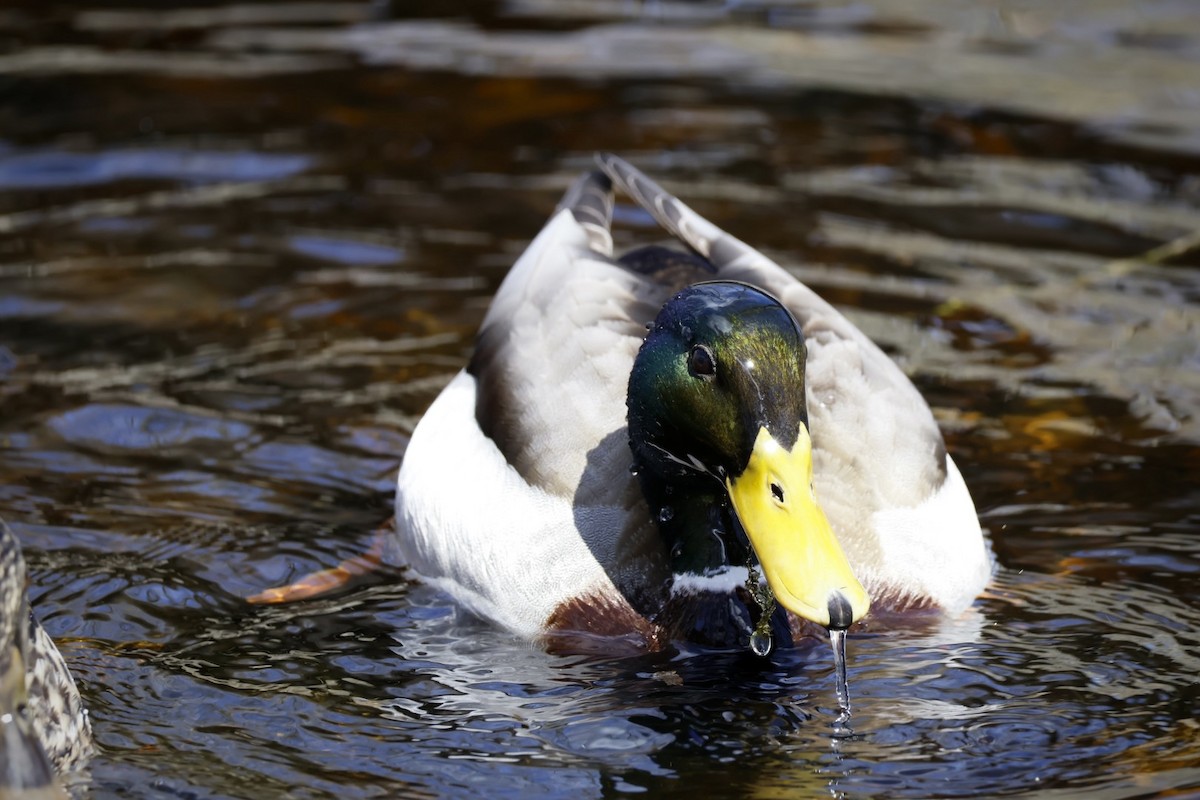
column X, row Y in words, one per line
column 243, row 247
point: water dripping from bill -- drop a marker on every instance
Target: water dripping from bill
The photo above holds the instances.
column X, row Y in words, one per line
column 841, row 725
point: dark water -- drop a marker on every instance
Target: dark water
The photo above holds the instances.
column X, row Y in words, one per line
column 243, row 246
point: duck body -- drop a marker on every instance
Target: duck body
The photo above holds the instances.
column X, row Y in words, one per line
column 44, row 729
column 589, row 472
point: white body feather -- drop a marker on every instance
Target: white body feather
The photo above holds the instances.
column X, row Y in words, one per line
column 474, row 528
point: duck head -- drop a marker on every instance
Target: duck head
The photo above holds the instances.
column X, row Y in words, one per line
column 717, row 417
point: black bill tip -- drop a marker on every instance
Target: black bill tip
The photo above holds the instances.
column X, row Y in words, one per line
column 841, row 616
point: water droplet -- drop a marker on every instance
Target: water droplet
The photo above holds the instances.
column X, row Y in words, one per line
column 837, row 640
column 665, row 514
column 760, row 643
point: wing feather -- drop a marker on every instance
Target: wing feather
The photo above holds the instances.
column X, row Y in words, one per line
column 552, row 365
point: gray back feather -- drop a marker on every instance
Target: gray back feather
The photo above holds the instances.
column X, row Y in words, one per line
column 552, row 366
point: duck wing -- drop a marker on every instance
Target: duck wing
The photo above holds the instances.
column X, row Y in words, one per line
column 881, row 472
column 551, row 366
column 554, row 352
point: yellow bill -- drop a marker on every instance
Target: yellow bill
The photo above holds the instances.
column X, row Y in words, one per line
column 800, row 557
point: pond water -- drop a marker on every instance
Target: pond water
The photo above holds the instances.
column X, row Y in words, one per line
column 242, row 247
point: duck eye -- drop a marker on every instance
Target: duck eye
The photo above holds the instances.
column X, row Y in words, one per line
column 701, row 363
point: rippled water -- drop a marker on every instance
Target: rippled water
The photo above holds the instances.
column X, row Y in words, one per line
column 243, row 246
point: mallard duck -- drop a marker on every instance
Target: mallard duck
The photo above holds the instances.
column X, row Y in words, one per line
column 44, row 729
column 661, row 445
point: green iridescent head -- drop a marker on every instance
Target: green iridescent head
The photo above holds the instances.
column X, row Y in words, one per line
column 722, row 361
column 717, row 413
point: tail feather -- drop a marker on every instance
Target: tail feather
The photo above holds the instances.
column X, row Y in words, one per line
column 683, row 223
column 590, row 201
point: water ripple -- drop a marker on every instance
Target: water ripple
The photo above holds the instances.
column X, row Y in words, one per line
column 57, row 169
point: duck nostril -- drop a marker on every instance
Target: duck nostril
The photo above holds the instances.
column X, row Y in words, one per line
column 777, row 490
column 841, row 615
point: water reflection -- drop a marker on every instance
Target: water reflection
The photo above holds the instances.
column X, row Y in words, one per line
column 243, row 246
column 60, row 170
